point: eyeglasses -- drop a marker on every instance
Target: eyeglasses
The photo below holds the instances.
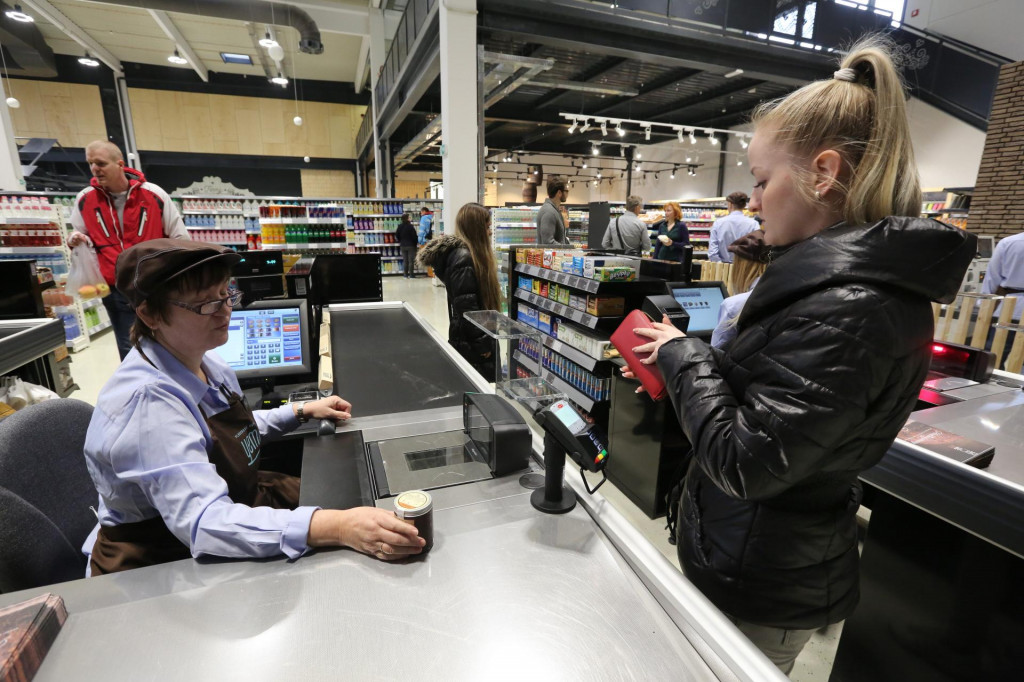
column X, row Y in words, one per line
column 233, row 298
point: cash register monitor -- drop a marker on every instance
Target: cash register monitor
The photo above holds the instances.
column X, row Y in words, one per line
column 268, row 339
column 985, row 246
column 702, row 300
column 345, row 278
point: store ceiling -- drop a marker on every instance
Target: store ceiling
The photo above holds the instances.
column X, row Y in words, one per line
column 132, row 35
column 528, row 118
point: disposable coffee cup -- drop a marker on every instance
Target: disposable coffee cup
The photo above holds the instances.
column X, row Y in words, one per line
column 417, row 508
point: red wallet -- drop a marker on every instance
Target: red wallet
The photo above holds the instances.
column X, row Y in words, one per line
column 624, row 340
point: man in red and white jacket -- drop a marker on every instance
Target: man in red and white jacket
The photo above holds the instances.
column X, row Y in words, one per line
column 118, row 210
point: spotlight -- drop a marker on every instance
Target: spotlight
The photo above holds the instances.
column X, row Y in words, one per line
column 739, row 162
column 743, row 141
column 604, row 128
column 622, row 151
column 598, row 174
column 177, row 58
column 500, row 183
column 673, row 175
column 535, row 171
column 586, row 125
column 637, row 168
column 572, row 128
column 595, row 183
column 647, row 133
column 688, row 159
column 279, row 79
column 712, row 139
column 638, row 154
column 18, row 15
column 679, row 133
column 690, row 171
column 595, row 150
column 87, row 60
column 693, row 138
column 584, row 163
column 619, row 129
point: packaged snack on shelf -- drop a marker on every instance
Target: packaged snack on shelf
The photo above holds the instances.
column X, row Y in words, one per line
column 606, row 305
column 577, row 301
column 614, row 274
column 592, row 262
column 544, row 322
column 581, row 340
column 544, row 287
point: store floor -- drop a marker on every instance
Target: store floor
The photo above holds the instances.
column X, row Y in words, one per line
column 92, row 367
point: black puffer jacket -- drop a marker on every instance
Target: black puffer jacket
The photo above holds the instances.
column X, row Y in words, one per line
column 833, row 347
column 453, row 265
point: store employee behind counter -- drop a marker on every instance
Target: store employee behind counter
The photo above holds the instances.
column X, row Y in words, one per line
column 172, row 409
column 831, row 349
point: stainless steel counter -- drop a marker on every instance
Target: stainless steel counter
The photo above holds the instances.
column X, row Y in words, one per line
column 506, row 593
column 987, row 502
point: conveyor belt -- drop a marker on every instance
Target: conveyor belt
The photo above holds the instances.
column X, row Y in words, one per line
column 385, row 362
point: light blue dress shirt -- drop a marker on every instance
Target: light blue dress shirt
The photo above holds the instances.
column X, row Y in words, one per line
column 146, row 450
column 1006, row 269
column 725, row 231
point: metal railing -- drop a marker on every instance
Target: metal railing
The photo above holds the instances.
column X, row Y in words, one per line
column 365, row 133
column 409, row 28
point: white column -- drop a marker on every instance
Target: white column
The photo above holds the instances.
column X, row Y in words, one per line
column 11, row 178
column 377, row 56
column 460, row 161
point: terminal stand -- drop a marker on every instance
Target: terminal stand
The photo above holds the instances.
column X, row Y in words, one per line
column 555, row 497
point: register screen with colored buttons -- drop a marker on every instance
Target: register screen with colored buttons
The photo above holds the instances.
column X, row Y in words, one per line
column 259, row 339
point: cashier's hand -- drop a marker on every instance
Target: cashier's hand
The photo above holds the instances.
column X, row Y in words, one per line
column 332, row 407
column 664, row 239
column 365, row 529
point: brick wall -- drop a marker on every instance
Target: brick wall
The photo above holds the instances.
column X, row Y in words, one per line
column 998, row 205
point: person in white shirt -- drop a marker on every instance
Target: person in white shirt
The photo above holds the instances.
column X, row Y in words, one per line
column 729, row 228
column 748, row 265
column 1005, row 274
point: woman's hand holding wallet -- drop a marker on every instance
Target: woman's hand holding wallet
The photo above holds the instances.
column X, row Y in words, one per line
column 659, row 333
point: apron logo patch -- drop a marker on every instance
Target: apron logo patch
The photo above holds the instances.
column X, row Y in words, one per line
column 251, row 445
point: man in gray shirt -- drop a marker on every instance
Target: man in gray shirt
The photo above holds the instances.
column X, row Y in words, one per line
column 627, row 232
column 550, row 224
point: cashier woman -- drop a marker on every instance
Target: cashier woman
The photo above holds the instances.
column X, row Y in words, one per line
column 174, row 451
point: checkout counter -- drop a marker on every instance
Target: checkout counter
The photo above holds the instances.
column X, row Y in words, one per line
column 506, row 591
column 943, row 558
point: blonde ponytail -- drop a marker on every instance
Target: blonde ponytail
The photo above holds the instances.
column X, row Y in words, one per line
column 861, row 113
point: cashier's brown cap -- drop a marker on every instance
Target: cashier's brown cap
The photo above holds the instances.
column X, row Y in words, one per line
column 144, row 267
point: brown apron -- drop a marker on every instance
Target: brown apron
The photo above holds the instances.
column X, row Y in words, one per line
column 236, row 455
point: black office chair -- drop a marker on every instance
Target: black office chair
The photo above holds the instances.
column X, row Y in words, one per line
column 45, row 494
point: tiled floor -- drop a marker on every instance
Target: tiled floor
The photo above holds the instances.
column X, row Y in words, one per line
column 92, row 367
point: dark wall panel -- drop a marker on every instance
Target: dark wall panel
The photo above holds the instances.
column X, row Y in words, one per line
column 261, row 181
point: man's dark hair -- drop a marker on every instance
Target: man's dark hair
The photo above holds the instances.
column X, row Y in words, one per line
column 555, row 185
column 738, row 199
column 424, row 209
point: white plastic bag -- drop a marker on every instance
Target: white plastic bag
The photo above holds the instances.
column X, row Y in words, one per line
column 84, row 277
column 18, row 393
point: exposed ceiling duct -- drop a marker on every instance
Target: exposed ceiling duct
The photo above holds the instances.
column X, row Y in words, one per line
column 25, row 49
column 275, row 13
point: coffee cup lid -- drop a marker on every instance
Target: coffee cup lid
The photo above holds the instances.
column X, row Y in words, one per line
column 413, row 503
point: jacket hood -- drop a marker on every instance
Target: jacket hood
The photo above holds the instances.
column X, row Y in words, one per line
column 434, row 253
column 134, row 177
column 920, row 256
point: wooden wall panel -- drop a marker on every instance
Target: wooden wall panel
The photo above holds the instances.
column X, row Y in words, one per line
column 69, row 112
column 328, row 183
column 201, row 123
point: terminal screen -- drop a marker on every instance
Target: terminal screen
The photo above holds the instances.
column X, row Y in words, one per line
column 267, row 338
column 569, row 417
column 702, row 304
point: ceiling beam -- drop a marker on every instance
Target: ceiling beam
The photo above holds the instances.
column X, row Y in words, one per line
column 596, row 71
column 362, row 63
column 662, row 82
column 580, row 86
column 350, row 17
column 76, row 33
column 167, row 25
column 679, row 106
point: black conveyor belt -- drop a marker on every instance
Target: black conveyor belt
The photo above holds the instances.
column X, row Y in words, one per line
column 385, row 362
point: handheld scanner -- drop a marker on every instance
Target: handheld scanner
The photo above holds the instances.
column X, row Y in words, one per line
column 585, row 443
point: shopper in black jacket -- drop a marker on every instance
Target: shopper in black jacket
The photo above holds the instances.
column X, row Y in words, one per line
column 832, row 347
column 407, row 240
column 465, row 263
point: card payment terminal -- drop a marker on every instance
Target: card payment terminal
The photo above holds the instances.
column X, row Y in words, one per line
column 566, row 432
